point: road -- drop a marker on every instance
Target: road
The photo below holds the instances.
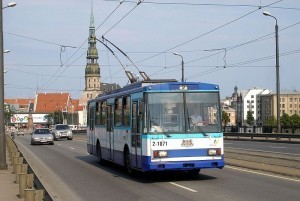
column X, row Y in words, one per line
column 71, row 174
column 283, row 148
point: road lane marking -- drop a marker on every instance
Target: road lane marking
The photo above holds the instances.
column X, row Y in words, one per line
column 257, row 150
column 260, row 173
column 277, row 147
column 71, row 148
column 186, row 188
column 80, row 140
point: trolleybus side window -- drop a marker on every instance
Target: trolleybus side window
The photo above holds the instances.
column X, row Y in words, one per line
column 118, row 112
column 91, row 117
column 126, row 111
column 97, row 117
column 103, row 113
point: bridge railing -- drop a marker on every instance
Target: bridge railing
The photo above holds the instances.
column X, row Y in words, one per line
column 267, row 136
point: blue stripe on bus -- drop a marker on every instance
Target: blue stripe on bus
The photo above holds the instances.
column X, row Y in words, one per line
column 187, row 153
column 147, row 165
column 181, row 165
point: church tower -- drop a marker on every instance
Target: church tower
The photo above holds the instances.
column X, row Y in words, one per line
column 92, row 70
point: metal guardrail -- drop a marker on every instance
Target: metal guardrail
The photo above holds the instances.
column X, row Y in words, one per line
column 276, row 136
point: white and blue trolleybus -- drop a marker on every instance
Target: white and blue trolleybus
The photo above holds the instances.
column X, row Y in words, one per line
column 158, row 125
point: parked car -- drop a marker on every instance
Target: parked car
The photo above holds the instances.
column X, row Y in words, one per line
column 62, row 131
column 42, row 136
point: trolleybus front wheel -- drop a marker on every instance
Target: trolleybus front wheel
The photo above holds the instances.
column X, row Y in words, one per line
column 99, row 156
column 127, row 162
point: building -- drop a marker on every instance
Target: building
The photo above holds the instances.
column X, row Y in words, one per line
column 289, row 104
column 231, row 114
column 92, row 70
column 19, row 105
column 243, row 101
column 252, row 103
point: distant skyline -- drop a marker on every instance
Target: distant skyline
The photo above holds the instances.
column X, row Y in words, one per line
column 227, row 43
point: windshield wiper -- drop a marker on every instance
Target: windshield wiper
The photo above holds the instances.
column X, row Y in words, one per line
column 160, row 128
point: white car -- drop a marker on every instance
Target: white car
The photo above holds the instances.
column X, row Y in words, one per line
column 42, row 136
column 20, row 132
column 62, row 131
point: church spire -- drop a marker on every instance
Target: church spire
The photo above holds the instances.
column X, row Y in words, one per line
column 92, row 70
column 92, row 17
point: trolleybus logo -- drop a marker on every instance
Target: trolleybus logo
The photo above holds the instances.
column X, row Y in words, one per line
column 187, row 143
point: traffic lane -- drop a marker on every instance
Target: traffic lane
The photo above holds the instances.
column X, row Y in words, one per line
column 216, row 181
column 54, row 185
column 284, row 148
column 88, row 181
column 209, row 185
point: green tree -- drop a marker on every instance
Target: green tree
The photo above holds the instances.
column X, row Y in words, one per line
column 250, row 118
column 225, row 118
column 55, row 118
column 294, row 120
column 271, row 121
column 285, row 120
column 7, row 116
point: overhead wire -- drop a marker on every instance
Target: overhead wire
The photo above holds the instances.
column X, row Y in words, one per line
column 137, row 4
column 48, row 82
column 208, row 32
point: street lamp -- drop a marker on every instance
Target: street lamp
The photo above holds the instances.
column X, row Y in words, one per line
column 277, row 71
column 182, row 66
column 3, row 164
column 11, row 4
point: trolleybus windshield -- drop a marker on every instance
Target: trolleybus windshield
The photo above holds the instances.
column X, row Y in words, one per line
column 183, row 112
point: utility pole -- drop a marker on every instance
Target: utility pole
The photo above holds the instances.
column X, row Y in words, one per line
column 3, row 164
column 277, row 72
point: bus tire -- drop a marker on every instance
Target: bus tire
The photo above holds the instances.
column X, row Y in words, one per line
column 127, row 162
column 99, row 154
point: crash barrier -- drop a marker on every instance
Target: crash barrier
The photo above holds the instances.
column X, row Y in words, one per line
column 30, row 188
column 267, row 136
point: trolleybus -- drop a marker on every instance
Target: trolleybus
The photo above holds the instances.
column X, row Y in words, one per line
column 148, row 126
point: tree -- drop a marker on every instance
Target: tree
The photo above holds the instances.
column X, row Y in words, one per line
column 55, row 118
column 250, row 118
column 225, row 118
column 7, row 116
column 285, row 120
column 294, row 120
column 271, row 121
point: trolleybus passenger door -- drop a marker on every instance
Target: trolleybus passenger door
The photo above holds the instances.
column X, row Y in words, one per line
column 136, row 151
column 109, row 131
column 92, row 128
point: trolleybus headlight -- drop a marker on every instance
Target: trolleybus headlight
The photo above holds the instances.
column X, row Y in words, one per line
column 160, row 154
column 214, row 152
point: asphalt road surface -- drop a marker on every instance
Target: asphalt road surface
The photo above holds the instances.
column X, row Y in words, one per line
column 283, row 148
column 69, row 173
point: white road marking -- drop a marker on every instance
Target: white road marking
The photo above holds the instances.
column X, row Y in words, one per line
column 186, row 188
column 71, row 148
column 80, row 140
column 260, row 173
column 257, row 150
column 277, row 147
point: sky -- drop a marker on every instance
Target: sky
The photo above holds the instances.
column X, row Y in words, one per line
column 228, row 43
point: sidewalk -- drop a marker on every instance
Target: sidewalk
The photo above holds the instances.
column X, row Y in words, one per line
column 9, row 190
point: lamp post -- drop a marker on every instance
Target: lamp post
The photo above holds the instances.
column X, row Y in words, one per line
column 182, row 66
column 3, row 164
column 277, row 71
